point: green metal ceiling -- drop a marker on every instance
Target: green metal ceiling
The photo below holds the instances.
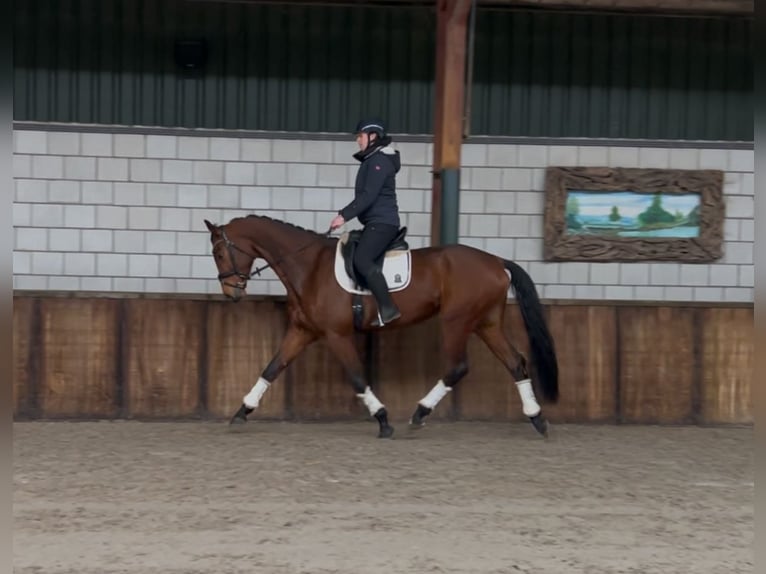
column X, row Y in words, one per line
column 312, row 68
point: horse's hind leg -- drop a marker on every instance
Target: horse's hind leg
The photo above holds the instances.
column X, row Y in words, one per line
column 455, row 340
column 343, row 348
column 491, row 332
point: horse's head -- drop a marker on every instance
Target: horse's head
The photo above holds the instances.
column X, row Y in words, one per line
column 231, row 261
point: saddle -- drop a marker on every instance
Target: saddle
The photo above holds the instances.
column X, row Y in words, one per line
column 351, row 242
column 395, row 264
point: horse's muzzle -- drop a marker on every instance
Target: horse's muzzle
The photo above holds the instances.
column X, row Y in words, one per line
column 235, row 294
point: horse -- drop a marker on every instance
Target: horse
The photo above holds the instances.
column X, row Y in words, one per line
column 326, row 299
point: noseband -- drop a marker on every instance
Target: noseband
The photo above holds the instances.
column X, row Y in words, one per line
column 244, row 277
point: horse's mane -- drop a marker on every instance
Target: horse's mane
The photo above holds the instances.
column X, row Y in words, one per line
column 292, row 225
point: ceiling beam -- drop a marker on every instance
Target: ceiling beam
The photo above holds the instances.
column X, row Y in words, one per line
column 680, row 7
column 687, row 7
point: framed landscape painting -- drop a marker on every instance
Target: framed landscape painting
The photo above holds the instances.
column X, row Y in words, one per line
column 627, row 214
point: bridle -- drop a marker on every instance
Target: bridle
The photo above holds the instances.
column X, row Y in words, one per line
column 230, row 247
column 244, row 277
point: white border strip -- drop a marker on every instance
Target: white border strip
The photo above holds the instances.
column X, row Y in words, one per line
column 336, row 136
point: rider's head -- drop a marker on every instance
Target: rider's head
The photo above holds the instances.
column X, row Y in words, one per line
column 368, row 130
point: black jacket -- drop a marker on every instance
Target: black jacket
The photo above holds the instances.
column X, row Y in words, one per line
column 375, row 189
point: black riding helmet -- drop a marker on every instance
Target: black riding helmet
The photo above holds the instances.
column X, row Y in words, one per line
column 371, row 126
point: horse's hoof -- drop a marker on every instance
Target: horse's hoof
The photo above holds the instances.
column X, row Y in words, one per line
column 240, row 417
column 414, row 426
column 386, row 430
column 418, row 420
column 540, row 424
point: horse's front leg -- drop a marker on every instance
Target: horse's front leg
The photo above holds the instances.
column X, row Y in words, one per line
column 295, row 340
column 343, row 348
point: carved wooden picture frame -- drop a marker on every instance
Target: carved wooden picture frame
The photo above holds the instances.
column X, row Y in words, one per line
column 631, row 214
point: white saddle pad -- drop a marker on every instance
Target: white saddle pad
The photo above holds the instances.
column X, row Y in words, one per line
column 396, row 270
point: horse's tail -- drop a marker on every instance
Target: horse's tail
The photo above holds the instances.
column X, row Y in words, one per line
column 540, row 340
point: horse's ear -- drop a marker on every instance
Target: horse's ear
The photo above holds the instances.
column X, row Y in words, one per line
column 212, row 228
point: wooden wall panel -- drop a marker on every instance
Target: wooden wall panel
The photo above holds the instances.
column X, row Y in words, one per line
column 728, row 360
column 410, row 361
column 586, row 347
column 657, row 364
column 174, row 358
column 488, row 391
column 78, row 370
column 241, row 340
column 23, row 346
column 163, row 349
column 319, row 387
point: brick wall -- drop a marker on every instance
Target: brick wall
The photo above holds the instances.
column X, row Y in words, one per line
column 124, row 212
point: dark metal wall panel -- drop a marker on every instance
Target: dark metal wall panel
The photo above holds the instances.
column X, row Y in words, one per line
column 270, row 67
column 318, row 68
column 581, row 75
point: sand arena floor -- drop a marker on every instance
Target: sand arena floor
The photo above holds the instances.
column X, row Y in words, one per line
column 285, row 498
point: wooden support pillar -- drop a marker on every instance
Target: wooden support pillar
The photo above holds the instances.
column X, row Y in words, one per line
column 452, row 24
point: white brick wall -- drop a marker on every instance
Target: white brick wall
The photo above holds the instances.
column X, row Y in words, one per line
column 124, row 212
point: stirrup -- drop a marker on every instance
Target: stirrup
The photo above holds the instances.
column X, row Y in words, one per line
column 379, row 321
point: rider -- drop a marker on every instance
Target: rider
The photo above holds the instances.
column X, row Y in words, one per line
column 375, row 206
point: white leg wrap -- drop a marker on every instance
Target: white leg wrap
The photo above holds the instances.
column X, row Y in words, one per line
column 436, row 394
column 528, row 400
column 252, row 398
column 370, row 400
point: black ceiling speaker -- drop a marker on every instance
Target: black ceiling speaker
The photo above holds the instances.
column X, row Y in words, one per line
column 191, row 55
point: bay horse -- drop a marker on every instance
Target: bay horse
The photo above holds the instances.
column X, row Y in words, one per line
column 466, row 286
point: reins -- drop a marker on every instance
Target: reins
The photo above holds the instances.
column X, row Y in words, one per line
column 244, row 276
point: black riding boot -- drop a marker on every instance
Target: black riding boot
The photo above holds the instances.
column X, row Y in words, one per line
column 387, row 311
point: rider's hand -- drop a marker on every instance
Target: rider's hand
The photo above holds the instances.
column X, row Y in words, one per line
column 337, row 222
